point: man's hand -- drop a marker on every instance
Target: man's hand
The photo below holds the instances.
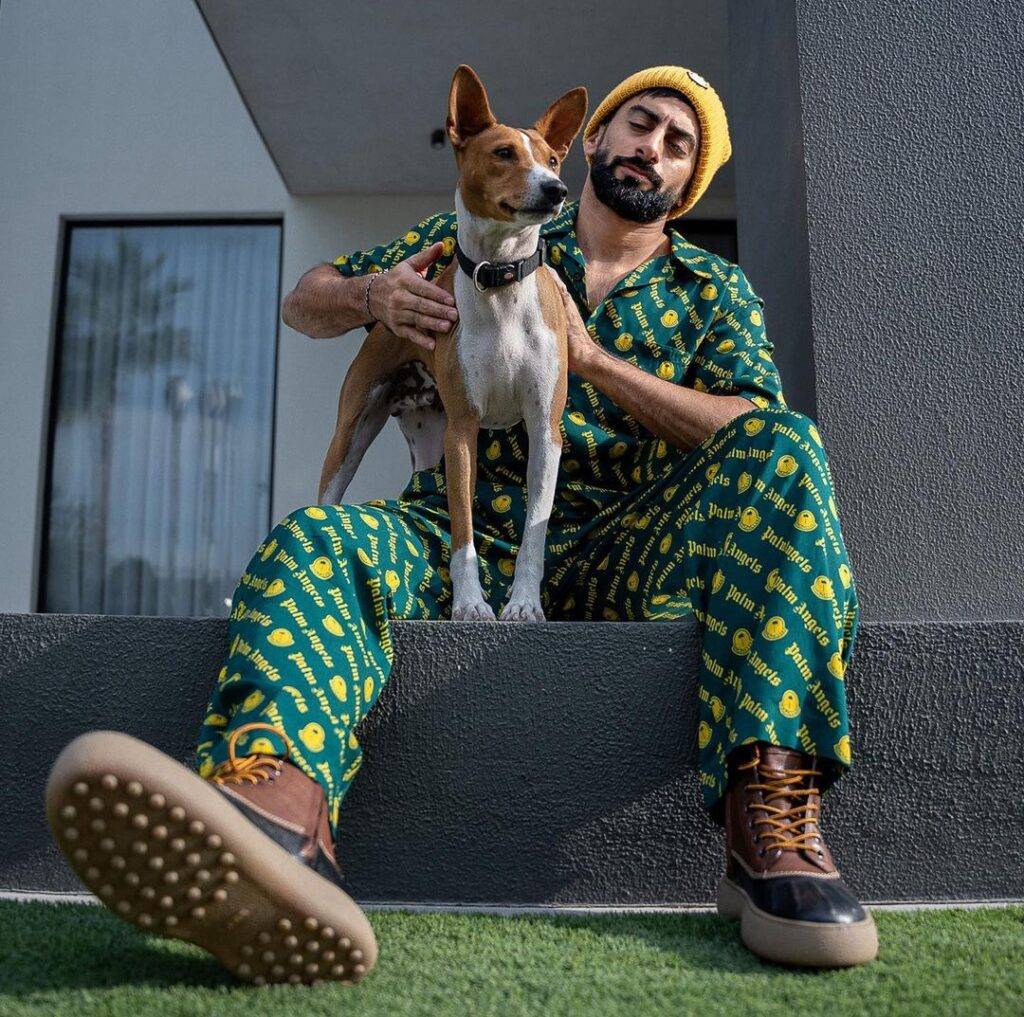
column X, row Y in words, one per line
column 581, row 345
column 408, row 304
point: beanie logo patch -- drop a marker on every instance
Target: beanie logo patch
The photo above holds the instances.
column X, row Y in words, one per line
column 695, row 77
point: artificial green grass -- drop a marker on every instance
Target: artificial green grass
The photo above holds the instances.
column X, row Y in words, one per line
column 78, row 959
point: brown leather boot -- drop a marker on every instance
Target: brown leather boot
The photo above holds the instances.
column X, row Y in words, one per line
column 780, row 879
column 285, row 803
column 241, row 864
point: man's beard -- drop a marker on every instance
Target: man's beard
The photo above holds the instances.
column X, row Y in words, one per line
column 629, row 198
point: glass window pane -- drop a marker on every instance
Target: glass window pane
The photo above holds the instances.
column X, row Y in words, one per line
column 159, row 474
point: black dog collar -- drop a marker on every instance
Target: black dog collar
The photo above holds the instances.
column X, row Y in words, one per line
column 488, row 274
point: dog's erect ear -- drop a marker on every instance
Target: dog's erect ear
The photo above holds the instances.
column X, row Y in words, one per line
column 563, row 120
column 468, row 110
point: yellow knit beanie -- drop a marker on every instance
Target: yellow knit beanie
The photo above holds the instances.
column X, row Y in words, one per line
column 715, row 145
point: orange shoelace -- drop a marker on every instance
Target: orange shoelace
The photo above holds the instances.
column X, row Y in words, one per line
column 249, row 769
column 784, row 825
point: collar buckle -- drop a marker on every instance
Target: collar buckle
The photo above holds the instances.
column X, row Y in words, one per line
column 476, row 272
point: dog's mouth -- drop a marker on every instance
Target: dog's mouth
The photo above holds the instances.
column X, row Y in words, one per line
column 541, row 210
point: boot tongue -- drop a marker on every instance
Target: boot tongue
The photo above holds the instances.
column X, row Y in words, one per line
column 775, row 758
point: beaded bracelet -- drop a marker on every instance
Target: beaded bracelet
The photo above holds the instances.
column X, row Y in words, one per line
column 366, row 292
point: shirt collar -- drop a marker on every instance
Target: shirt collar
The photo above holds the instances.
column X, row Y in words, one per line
column 687, row 257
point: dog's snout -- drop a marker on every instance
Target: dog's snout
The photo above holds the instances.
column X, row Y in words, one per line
column 554, row 190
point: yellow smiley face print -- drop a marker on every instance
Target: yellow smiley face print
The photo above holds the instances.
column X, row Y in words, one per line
column 786, row 466
column 805, row 521
column 822, row 587
column 742, row 640
column 312, row 736
column 789, row 704
column 322, row 567
column 749, row 518
column 703, row 734
column 836, row 666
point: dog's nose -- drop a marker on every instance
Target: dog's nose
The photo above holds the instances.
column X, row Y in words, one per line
column 554, row 190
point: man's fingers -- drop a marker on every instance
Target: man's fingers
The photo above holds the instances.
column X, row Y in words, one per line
column 425, row 322
column 422, row 288
column 431, row 308
column 425, row 258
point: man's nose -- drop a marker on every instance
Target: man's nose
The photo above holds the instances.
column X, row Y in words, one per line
column 554, row 190
column 647, row 151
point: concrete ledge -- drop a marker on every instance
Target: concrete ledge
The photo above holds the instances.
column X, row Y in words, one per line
column 554, row 764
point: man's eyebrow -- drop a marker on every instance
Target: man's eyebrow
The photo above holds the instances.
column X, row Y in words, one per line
column 673, row 129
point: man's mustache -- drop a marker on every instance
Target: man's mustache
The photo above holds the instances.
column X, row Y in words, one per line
column 644, row 168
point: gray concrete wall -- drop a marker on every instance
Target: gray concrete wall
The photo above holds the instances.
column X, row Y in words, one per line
column 912, row 133
column 115, row 109
column 547, row 791
column 763, row 105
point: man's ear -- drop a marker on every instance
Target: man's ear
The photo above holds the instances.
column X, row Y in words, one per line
column 562, row 120
column 593, row 143
column 469, row 113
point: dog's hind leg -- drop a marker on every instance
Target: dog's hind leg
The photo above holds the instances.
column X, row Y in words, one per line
column 350, row 445
column 364, row 404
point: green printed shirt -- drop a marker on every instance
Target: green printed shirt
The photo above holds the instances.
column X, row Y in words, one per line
column 689, row 317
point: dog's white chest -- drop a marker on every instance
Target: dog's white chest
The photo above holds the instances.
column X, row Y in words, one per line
column 507, row 353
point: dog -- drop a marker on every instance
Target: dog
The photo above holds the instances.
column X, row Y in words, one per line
column 505, row 361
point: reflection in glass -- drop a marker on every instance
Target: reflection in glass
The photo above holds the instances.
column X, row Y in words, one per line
column 159, row 483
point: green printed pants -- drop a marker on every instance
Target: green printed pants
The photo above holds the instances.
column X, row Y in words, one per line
column 742, row 532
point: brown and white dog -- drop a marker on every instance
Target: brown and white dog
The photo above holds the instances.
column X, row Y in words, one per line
column 506, row 358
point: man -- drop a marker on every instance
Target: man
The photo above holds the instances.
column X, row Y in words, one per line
column 686, row 486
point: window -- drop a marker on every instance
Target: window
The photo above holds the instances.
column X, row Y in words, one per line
column 715, row 235
column 161, row 422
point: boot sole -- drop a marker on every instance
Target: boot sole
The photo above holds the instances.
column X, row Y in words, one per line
column 790, row 941
column 165, row 851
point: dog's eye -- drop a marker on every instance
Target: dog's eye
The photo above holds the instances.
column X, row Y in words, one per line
column 553, row 161
column 504, row 153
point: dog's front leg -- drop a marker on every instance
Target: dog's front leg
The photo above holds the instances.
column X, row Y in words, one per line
column 460, row 440
column 541, row 473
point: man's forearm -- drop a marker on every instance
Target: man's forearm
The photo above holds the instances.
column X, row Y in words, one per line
column 677, row 413
column 325, row 304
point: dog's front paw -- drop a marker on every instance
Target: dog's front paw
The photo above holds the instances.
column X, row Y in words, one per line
column 472, row 610
column 525, row 609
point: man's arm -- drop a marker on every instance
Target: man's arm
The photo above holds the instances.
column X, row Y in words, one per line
column 325, row 304
column 680, row 415
column 675, row 412
column 330, row 299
